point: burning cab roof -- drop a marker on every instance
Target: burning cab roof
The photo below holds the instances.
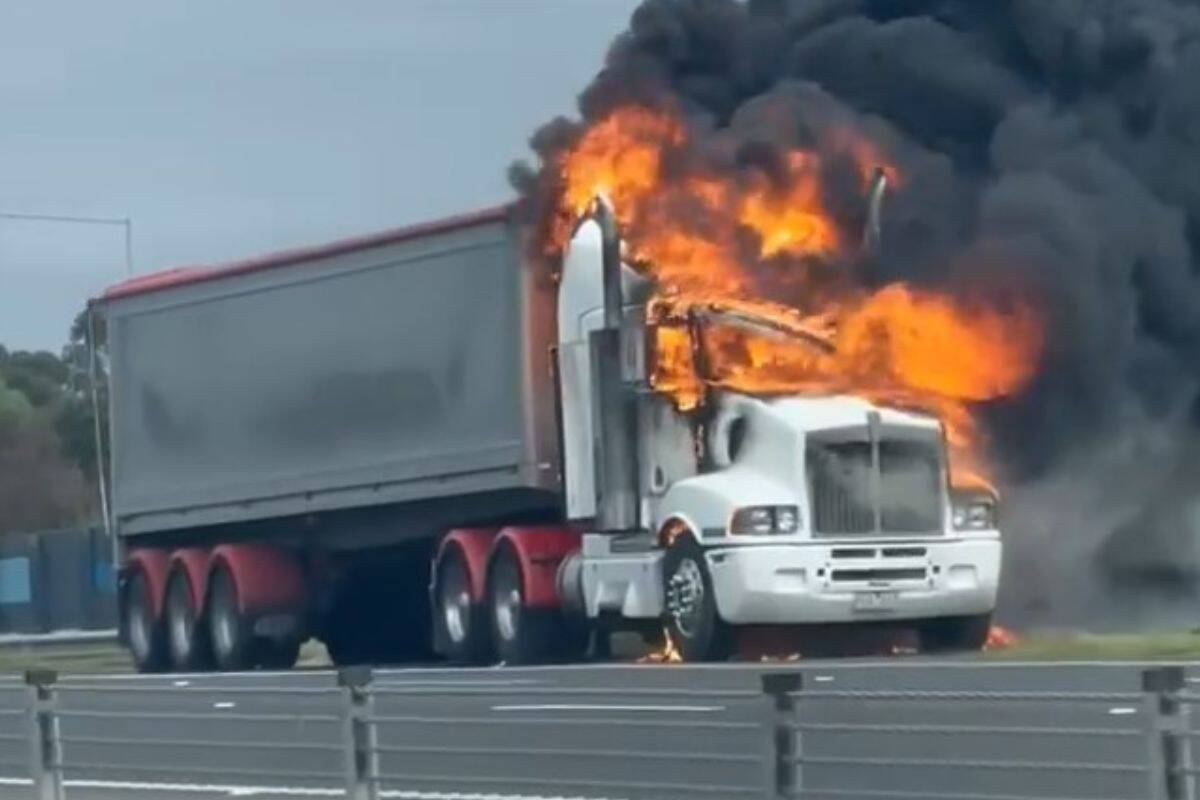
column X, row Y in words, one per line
column 843, row 410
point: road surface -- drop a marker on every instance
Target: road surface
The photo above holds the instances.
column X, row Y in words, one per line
column 564, row 729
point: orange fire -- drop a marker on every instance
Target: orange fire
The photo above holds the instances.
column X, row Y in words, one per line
column 667, row 654
column 790, row 220
column 1000, row 638
column 707, row 240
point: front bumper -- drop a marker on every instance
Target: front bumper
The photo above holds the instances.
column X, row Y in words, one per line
column 855, row 582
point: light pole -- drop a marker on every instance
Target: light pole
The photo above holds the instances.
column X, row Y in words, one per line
column 124, row 222
column 127, row 224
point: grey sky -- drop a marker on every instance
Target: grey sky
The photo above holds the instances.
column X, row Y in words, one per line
column 230, row 127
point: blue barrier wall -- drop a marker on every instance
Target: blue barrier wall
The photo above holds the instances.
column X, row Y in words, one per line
column 56, row 580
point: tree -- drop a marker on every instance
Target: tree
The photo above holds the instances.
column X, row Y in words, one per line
column 39, row 376
column 47, row 437
column 14, row 407
column 75, row 420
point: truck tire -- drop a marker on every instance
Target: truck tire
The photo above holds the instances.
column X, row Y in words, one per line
column 692, row 621
column 521, row 635
column 188, row 642
column 232, row 638
column 462, row 624
column 951, row 634
column 146, row 635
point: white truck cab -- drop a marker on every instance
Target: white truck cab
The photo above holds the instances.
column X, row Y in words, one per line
column 833, row 510
column 763, row 510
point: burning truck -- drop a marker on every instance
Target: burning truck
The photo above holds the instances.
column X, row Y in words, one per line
column 426, row 441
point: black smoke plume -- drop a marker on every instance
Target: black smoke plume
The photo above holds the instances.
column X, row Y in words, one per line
column 1049, row 147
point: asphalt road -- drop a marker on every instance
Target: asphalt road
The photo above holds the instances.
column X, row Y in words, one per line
column 579, row 731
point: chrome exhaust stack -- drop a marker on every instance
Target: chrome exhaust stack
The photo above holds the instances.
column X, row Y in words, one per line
column 873, row 230
column 617, row 500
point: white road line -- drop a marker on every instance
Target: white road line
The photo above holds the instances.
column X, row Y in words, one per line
column 455, row 684
column 823, row 679
column 225, row 704
column 1122, row 711
column 256, row 676
column 605, row 707
column 190, row 788
column 267, row 791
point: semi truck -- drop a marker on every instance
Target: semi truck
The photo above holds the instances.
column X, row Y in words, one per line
column 419, row 444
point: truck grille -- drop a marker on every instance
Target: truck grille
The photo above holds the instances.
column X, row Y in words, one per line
column 869, row 575
column 840, row 487
column 891, row 487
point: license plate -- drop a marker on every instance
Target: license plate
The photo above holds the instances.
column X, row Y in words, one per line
column 874, row 601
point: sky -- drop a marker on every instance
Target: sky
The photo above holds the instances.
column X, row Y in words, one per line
column 229, row 128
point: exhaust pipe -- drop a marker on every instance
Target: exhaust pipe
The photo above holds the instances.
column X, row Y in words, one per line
column 873, row 231
column 610, row 262
column 617, row 490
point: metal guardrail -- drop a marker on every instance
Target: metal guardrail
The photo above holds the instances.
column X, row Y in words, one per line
column 372, row 735
column 57, row 639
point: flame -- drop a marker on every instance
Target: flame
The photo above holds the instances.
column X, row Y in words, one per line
column 932, row 344
column 790, row 220
column 707, row 238
column 1000, row 638
column 668, row 654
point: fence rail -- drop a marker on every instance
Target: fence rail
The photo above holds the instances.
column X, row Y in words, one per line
column 370, row 735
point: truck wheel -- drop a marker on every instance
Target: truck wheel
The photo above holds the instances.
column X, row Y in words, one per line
column 521, row 636
column 188, row 641
column 147, row 636
column 232, row 640
column 692, row 621
column 463, row 626
column 950, row 634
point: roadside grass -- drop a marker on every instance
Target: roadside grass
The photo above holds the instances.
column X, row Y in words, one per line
column 91, row 658
column 104, row 658
column 1155, row 646
column 107, row 658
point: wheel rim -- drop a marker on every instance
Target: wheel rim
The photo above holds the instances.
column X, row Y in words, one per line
column 182, row 619
column 224, row 623
column 507, row 602
column 224, row 633
column 507, row 608
column 455, row 601
column 685, row 597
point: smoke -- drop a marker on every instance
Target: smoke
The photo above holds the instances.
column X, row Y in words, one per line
column 1050, row 149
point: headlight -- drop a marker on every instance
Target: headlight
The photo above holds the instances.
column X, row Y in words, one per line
column 765, row 520
column 974, row 512
column 787, row 519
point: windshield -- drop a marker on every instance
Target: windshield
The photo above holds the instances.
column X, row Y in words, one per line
column 741, row 351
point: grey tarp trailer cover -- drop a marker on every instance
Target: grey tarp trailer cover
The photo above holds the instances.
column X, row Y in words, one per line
column 409, row 365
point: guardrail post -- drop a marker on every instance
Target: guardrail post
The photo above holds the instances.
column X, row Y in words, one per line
column 359, row 738
column 782, row 744
column 1165, row 734
column 45, row 748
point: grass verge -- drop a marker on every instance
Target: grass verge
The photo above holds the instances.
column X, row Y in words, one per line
column 91, row 657
column 104, row 658
column 1157, row 646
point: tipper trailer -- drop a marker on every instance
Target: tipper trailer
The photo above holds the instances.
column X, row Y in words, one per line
column 418, row 442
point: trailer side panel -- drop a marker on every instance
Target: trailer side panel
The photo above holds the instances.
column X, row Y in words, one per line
column 396, row 372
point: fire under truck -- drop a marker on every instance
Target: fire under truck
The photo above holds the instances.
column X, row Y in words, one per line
column 416, row 443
